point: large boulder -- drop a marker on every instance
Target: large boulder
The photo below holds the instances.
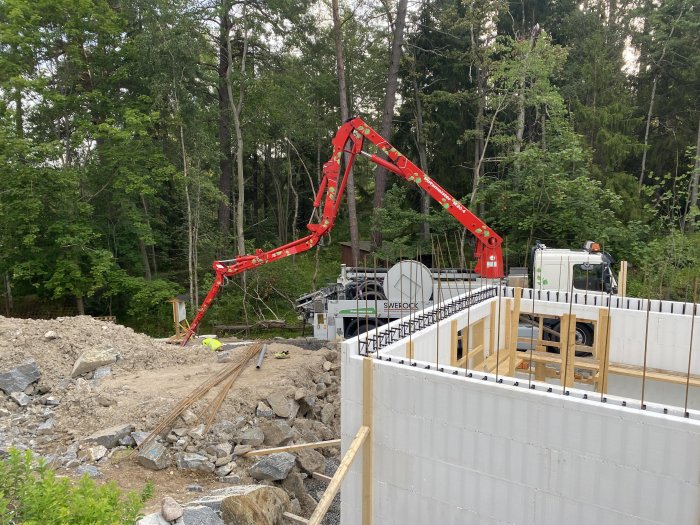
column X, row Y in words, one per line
column 256, row 505
column 215, row 498
column 311, row 460
column 274, row 467
column 154, row 456
column 277, row 432
column 252, row 436
column 280, row 404
column 327, row 413
column 110, row 437
column 153, row 519
column 295, row 485
column 93, row 359
column 170, row 509
column 20, row 377
column 201, row 515
column 194, row 461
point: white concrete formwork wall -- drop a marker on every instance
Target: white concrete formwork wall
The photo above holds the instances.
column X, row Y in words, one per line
column 667, row 335
column 449, row 449
column 433, row 344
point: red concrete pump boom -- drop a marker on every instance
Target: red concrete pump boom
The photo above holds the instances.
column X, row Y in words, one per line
column 349, row 140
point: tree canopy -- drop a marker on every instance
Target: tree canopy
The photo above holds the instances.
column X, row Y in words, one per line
column 142, row 139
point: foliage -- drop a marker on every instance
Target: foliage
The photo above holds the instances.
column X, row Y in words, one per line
column 32, row 494
column 116, row 142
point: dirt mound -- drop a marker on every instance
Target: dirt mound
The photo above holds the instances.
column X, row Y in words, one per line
column 56, row 353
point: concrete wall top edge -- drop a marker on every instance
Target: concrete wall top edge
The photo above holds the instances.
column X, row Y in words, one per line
column 551, row 394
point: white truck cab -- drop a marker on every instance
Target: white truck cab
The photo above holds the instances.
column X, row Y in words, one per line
column 587, row 270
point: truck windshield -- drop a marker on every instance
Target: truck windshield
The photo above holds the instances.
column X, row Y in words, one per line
column 588, row 276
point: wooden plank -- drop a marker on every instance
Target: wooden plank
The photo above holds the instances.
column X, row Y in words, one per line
column 491, row 363
column 492, row 328
column 570, row 351
column 478, row 341
column 514, row 318
column 507, row 327
column 654, row 374
column 292, row 448
column 295, row 518
column 476, row 351
column 367, row 421
column 453, row 342
column 622, row 280
column 603, row 345
column 321, row 477
column 564, row 348
column 334, row 486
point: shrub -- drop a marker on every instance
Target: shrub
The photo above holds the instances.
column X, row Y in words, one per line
column 32, row 494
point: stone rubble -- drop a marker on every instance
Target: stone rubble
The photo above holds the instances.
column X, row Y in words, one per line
column 285, row 414
column 19, row 378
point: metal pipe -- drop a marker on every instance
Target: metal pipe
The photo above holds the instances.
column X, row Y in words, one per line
column 261, row 356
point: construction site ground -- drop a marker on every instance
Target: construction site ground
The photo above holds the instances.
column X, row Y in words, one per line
column 148, row 378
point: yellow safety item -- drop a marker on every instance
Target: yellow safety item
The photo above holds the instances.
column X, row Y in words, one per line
column 212, row 343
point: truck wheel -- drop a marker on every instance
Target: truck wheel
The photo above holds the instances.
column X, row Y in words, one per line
column 584, row 336
column 360, row 326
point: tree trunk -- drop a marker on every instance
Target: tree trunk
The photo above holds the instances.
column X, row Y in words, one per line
column 477, row 169
column 694, row 182
column 8, row 294
column 520, row 129
column 646, row 132
column 422, row 148
column 144, row 259
column 191, row 235
column 154, row 267
column 291, row 183
column 225, row 155
column 344, row 115
column 651, row 99
column 389, row 103
column 256, row 193
column 236, row 110
column 80, row 304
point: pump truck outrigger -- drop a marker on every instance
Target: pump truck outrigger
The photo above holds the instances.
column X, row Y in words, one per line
column 348, row 141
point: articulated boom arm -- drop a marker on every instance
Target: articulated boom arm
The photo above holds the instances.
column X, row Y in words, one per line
column 348, row 141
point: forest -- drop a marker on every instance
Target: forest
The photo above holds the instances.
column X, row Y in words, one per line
column 140, row 140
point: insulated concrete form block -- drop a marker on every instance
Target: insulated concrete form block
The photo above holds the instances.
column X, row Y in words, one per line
column 502, row 454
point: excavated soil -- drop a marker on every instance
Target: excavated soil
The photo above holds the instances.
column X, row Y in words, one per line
column 148, row 379
column 23, row 339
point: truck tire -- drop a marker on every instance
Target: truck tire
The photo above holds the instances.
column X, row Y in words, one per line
column 360, row 326
column 584, row 336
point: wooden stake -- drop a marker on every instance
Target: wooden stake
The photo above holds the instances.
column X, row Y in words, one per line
column 514, row 320
column 321, row 477
column 334, row 485
column 567, row 340
column 367, row 415
column 492, row 328
column 293, row 448
column 622, row 285
column 603, row 354
column 295, row 518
